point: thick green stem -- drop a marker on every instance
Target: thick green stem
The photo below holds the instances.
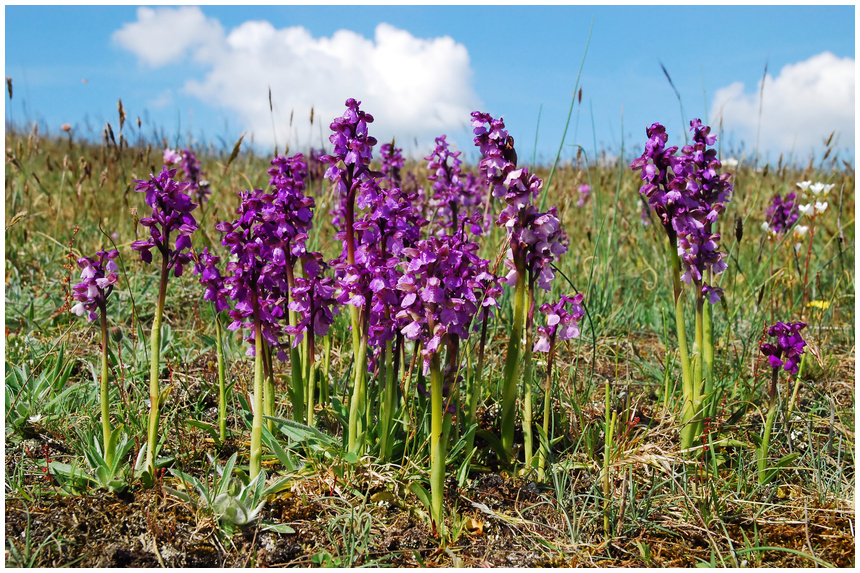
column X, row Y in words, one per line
column 326, row 370
column 437, row 445
column 512, row 359
column 106, row 429
column 256, row 454
column 528, row 437
column 298, row 385
column 385, row 441
column 268, row 386
column 692, row 412
column 681, row 329
column 222, row 385
column 356, row 403
column 298, row 393
column 155, row 354
column 708, row 350
column 309, row 372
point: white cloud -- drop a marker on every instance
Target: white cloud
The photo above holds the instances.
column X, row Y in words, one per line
column 163, row 36
column 801, row 107
column 414, row 87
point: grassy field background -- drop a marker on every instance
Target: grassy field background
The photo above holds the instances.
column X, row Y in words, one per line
column 638, row 502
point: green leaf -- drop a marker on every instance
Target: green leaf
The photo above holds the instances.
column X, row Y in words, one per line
column 276, row 527
column 494, row 443
column 180, row 494
column 461, row 443
column 421, row 493
column 351, row 458
column 283, row 456
column 208, row 428
column 299, row 432
column 226, row 474
column 463, row 472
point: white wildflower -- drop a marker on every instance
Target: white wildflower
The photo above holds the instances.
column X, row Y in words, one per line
column 804, row 185
column 820, row 207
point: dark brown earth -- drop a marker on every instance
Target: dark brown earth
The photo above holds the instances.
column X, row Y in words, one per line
column 514, row 526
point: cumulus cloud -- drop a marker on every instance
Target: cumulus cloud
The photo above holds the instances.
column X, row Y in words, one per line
column 160, row 37
column 414, row 87
column 801, row 107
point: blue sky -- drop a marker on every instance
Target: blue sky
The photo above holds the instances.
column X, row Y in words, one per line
column 208, row 79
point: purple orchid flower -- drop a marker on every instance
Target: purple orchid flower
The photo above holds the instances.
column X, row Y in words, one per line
column 171, row 212
column 789, row 346
column 98, row 277
column 559, row 322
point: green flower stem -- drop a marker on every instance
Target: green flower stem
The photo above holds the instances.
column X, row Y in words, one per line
column 512, row 359
column 762, row 452
column 310, row 379
column 268, row 386
column 681, row 329
column 359, row 338
column 387, row 413
column 155, row 353
column 437, row 445
column 708, row 349
column 357, row 402
column 222, row 386
column 475, row 385
column 326, row 370
column 256, row 453
column 691, row 414
column 547, row 410
column 528, row 436
column 105, row 396
column 454, row 394
column 298, row 393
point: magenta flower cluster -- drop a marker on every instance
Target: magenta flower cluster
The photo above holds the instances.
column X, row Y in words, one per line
column 313, row 299
column 456, row 196
column 560, row 322
column 98, row 277
column 353, row 149
column 782, row 214
column 445, row 284
column 289, row 215
column 584, row 195
column 171, row 213
column 211, row 279
column 789, row 346
column 392, row 162
column 688, row 193
column 266, row 241
column 254, row 281
column 538, row 235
